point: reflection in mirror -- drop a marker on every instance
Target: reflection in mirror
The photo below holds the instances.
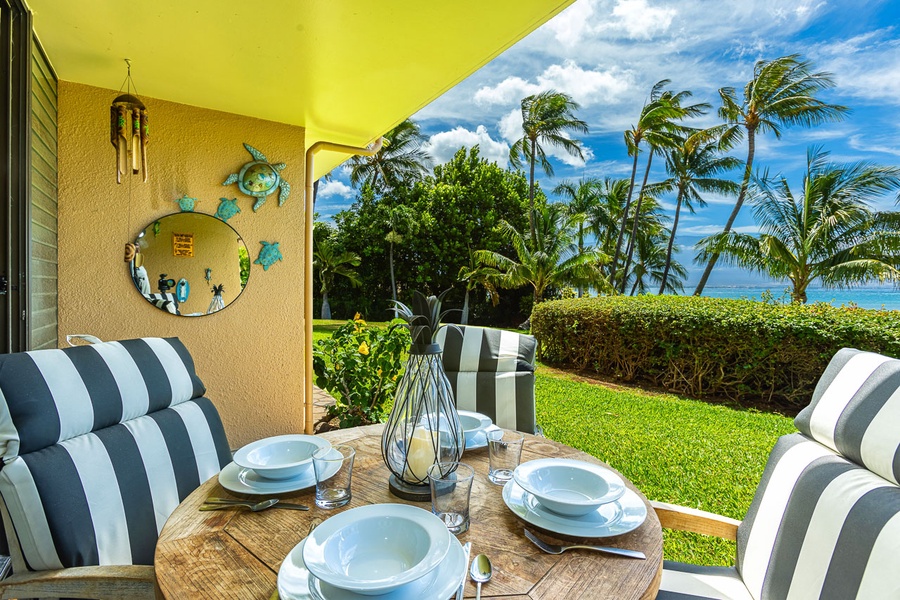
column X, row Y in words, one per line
column 190, row 264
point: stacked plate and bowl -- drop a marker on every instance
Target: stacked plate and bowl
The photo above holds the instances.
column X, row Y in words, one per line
column 273, row 465
column 393, row 551
column 573, row 498
column 475, row 428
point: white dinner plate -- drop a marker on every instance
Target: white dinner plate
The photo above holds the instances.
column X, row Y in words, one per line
column 295, row 582
column 244, row 481
column 614, row 518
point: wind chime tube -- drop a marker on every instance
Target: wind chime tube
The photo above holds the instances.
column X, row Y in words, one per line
column 135, row 140
column 121, row 142
column 145, row 139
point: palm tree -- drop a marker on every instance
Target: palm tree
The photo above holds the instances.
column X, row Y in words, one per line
column 651, row 266
column 550, row 259
column 546, row 119
column 328, row 261
column 781, row 93
column 605, row 216
column 583, row 199
column 663, row 135
column 829, row 233
column 401, row 158
column 693, row 167
column 474, row 275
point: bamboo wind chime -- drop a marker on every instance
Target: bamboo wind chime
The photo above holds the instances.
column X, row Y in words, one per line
column 129, row 131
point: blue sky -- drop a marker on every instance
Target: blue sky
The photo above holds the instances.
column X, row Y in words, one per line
column 607, row 54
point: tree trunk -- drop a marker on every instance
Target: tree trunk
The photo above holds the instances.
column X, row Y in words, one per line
column 393, row 280
column 326, row 308
column 531, row 193
column 665, row 275
column 580, row 252
column 637, row 218
column 615, row 260
column 748, row 171
column 464, row 320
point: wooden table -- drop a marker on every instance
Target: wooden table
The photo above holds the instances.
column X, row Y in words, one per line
column 237, row 553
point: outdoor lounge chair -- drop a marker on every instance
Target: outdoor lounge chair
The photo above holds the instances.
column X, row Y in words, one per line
column 99, row 444
column 825, row 520
column 491, row 372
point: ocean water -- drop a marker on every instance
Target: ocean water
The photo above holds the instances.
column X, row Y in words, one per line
column 887, row 298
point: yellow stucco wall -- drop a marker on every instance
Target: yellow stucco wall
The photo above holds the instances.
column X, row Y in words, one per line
column 250, row 355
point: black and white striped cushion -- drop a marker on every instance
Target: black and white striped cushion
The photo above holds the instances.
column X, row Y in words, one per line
column 855, row 410
column 491, row 372
column 682, row 581
column 821, row 527
column 100, row 443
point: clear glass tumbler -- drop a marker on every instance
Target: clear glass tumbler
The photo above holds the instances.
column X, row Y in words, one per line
column 504, row 452
column 451, row 489
column 334, row 470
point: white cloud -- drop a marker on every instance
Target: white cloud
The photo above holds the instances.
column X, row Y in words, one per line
column 572, row 24
column 866, row 66
column 711, row 229
column 586, row 87
column 639, row 20
column 334, row 188
column 442, row 146
column 868, row 143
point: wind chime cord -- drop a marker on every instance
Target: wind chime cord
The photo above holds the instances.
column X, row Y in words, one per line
column 128, row 80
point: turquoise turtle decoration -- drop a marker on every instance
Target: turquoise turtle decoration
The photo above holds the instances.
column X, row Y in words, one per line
column 186, row 204
column 227, row 209
column 259, row 178
column 268, row 255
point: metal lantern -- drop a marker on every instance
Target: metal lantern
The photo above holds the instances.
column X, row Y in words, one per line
column 423, row 427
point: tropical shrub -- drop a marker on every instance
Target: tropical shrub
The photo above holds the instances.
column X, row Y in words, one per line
column 360, row 366
column 742, row 350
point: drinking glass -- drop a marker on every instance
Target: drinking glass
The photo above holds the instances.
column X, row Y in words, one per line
column 451, row 489
column 504, row 452
column 334, row 469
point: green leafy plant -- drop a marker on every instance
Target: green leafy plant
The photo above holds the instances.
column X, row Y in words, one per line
column 360, row 366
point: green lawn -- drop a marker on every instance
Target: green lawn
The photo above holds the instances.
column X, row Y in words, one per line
column 674, row 449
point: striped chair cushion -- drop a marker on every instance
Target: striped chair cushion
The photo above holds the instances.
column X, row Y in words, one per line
column 49, row 396
column 820, row 527
column 855, row 410
column 491, row 372
column 690, row 582
column 100, row 444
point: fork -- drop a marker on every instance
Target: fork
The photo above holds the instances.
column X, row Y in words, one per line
column 554, row 549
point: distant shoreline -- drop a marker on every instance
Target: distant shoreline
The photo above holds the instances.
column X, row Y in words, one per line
column 887, row 298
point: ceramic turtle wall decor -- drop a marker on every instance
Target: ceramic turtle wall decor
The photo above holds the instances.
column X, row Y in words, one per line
column 186, row 203
column 227, row 209
column 259, row 178
column 268, row 254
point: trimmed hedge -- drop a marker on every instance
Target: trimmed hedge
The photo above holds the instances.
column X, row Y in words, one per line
column 695, row 346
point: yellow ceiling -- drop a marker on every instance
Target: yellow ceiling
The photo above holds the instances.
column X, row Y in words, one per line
column 347, row 70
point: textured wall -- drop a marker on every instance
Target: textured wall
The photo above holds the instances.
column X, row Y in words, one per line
column 250, row 356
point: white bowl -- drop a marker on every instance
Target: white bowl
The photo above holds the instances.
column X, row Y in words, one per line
column 280, row 457
column 572, row 488
column 473, row 421
column 375, row 549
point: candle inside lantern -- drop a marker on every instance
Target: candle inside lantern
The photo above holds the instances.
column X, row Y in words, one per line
column 420, row 454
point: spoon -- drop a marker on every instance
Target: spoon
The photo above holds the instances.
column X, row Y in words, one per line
column 254, row 507
column 480, row 572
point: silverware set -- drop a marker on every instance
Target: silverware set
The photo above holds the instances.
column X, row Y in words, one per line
column 222, row 503
column 555, row 549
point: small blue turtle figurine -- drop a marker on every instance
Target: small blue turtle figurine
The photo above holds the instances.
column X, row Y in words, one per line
column 227, row 209
column 186, row 203
column 259, row 178
column 268, row 254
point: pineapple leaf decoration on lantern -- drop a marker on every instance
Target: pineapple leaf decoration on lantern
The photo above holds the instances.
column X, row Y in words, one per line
column 129, row 130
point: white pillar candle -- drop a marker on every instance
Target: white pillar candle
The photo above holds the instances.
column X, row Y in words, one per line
column 420, row 455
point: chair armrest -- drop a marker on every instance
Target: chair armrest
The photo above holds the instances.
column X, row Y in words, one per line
column 124, row 581
column 682, row 518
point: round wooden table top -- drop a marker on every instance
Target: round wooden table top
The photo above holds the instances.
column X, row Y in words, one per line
column 235, row 553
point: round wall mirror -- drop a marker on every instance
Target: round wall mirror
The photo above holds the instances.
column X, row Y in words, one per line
column 190, row 264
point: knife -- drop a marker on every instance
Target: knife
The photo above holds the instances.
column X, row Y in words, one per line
column 467, row 550
column 280, row 504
